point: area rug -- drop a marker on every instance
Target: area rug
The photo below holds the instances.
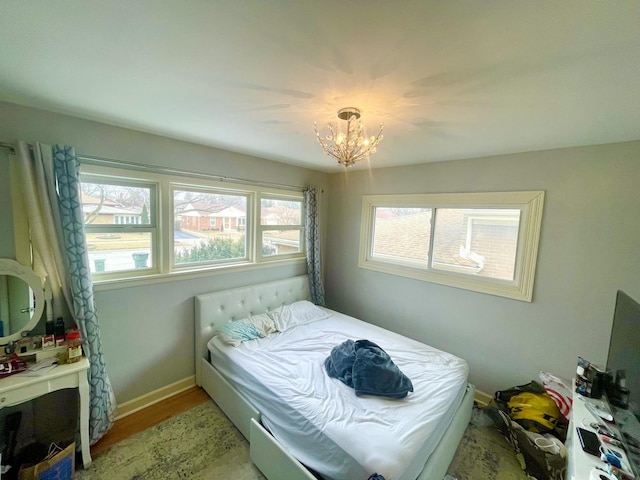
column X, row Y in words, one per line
column 484, row 454
column 202, row 444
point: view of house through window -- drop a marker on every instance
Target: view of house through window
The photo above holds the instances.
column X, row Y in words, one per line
column 478, row 241
column 485, row 242
column 118, row 225
column 208, row 227
column 280, row 226
column 402, row 235
column 202, row 224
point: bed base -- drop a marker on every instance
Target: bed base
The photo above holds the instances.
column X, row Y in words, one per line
column 229, row 399
column 441, row 457
column 266, row 453
column 276, row 463
column 271, row 459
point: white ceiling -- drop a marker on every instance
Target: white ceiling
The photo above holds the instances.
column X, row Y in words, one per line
column 449, row 79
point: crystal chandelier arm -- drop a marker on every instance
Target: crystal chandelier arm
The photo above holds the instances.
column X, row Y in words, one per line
column 363, row 152
column 353, row 146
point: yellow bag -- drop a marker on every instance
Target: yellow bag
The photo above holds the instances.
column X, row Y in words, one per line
column 59, row 465
column 537, row 412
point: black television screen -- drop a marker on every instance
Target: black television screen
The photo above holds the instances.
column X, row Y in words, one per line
column 624, row 346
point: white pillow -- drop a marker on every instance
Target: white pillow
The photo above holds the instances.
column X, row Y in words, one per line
column 263, row 323
column 238, row 331
column 297, row 313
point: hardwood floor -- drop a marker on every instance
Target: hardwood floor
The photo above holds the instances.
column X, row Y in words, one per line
column 150, row 416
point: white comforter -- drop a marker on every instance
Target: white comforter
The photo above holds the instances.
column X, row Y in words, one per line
column 322, row 422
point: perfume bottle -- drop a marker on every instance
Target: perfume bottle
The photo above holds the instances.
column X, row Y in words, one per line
column 50, row 327
column 59, row 331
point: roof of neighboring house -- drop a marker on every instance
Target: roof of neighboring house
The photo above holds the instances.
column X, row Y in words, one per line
column 91, row 200
column 109, row 210
column 404, row 236
column 106, row 207
column 408, row 236
column 202, row 209
column 280, row 215
column 230, row 211
column 282, row 236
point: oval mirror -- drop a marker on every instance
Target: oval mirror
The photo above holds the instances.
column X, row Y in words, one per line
column 21, row 299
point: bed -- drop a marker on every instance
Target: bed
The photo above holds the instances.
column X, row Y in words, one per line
column 279, row 403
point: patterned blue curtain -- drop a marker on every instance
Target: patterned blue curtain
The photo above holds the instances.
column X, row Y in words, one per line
column 102, row 399
column 312, row 234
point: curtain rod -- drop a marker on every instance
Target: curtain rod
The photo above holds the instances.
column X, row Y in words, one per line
column 93, row 160
column 176, row 171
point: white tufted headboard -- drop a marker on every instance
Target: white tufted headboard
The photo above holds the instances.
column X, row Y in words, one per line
column 220, row 307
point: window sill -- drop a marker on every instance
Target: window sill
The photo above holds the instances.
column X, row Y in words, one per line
column 187, row 274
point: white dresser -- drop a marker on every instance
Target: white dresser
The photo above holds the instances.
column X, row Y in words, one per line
column 17, row 389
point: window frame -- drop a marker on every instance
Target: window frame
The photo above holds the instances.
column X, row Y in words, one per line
column 121, row 179
column 164, row 267
column 529, row 203
column 250, row 200
column 260, row 228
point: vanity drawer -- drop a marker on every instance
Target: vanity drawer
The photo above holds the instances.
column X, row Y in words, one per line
column 23, row 393
column 17, row 388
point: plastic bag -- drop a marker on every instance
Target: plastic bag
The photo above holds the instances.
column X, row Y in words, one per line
column 542, row 456
column 559, row 391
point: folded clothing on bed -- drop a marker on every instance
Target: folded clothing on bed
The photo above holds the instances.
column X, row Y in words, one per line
column 368, row 369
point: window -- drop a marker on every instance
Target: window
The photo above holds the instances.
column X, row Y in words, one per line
column 119, row 219
column 281, row 229
column 206, row 226
column 143, row 224
column 486, row 242
column 476, row 241
column 413, row 223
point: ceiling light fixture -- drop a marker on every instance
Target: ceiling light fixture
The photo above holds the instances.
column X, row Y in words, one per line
column 351, row 146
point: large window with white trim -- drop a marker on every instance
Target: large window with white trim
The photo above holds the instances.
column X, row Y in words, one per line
column 141, row 224
column 486, row 242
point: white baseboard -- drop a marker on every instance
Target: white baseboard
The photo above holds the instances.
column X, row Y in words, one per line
column 148, row 399
column 482, row 398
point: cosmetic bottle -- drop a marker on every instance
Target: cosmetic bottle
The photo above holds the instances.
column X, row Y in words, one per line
column 74, row 346
column 59, row 332
column 50, row 327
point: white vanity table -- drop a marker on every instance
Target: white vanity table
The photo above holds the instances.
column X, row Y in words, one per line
column 19, row 388
column 23, row 300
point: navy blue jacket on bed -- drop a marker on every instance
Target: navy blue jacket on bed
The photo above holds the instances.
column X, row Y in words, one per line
column 368, row 369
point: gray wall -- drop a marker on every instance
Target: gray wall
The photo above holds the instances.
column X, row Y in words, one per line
column 589, row 248
column 147, row 331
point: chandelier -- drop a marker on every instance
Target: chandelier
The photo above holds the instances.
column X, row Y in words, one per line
column 351, row 145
